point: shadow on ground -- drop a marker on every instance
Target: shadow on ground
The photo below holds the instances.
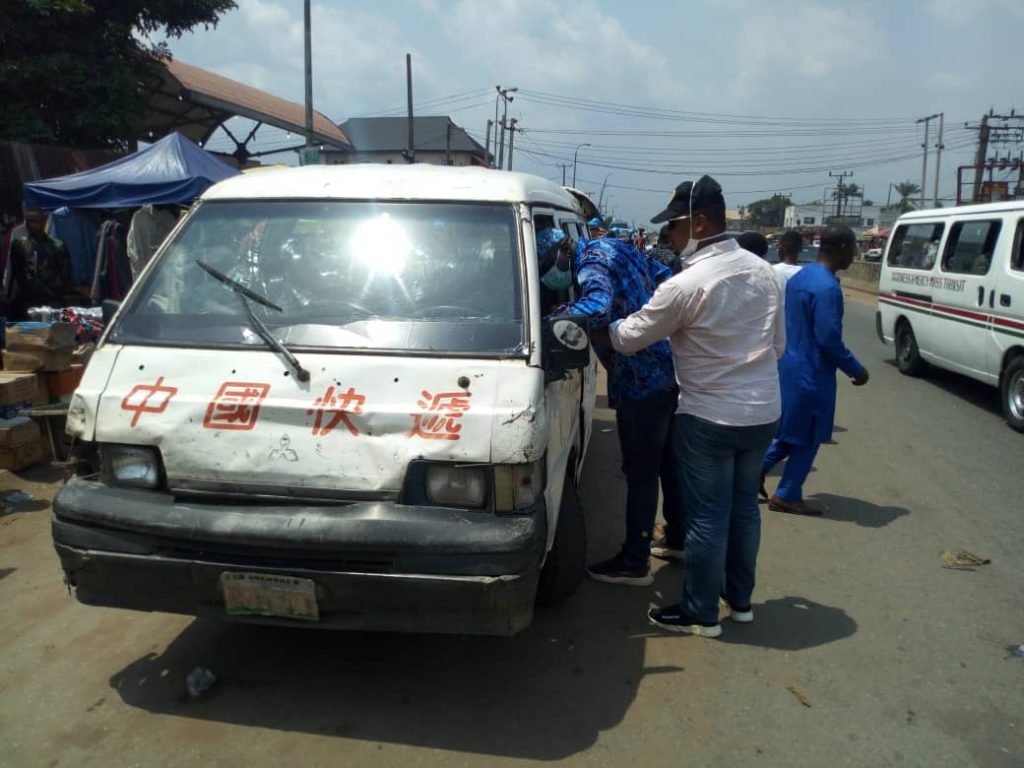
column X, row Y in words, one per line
column 791, row 624
column 976, row 393
column 577, row 666
column 849, row 510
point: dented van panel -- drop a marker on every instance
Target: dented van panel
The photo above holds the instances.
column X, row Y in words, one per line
column 242, row 419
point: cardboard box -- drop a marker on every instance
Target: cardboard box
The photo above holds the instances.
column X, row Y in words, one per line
column 42, row 392
column 64, row 382
column 18, row 457
column 38, row 360
column 18, row 431
column 41, row 336
column 17, row 387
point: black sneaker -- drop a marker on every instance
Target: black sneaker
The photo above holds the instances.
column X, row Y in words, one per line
column 672, row 619
column 618, row 571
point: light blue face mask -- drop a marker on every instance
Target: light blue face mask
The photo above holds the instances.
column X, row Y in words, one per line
column 557, row 279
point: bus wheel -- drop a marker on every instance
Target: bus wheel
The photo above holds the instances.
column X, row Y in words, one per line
column 908, row 357
column 563, row 570
column 1013, row 393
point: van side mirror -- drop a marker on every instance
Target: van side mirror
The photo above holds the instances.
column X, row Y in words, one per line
column 565, row 344
column 109, row 308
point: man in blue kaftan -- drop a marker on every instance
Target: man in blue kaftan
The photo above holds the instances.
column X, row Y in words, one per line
column 807, row 370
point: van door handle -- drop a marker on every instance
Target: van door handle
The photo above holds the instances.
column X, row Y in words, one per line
column 1004, row 299
column 981, row 295
column 992, row 298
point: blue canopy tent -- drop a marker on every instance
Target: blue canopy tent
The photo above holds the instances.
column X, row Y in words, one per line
column 173, row 170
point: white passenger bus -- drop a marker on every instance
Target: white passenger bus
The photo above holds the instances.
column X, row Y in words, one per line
column 951, row 294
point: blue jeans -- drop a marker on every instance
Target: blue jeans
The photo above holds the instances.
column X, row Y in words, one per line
column 721, row 475
column 799, row 460
column 645, row 438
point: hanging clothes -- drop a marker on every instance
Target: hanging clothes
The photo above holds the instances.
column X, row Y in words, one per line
column 77, row 228
column 150, row 225
column 112, row 276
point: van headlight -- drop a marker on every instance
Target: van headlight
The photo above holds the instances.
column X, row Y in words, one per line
column 517, row 486
column 450, row 485
column 131, row 465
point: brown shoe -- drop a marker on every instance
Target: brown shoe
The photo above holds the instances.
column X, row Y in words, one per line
column 777, row 504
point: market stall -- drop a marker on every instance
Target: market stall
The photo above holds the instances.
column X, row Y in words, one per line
column 104, row 224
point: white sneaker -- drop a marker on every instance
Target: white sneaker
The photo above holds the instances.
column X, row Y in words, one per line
column 661, row 550
column 740, row 617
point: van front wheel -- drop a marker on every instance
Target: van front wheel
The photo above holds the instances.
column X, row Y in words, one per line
column 563, row 569
column 1013, row 393
column 908, row 357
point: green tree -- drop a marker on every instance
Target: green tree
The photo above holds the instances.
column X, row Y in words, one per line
column 77, row 72
column 768, row 212
column 907, row 189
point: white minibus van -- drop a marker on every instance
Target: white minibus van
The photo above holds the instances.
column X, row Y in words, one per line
column 334, row 399
column 951, row 294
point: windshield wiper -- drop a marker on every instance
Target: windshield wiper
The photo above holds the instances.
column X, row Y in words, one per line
column 254, row 321
column 238, row 288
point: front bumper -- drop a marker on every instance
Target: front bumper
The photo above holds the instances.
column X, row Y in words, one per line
column 376, row 565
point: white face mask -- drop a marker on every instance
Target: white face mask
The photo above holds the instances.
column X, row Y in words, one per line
column 691, row 248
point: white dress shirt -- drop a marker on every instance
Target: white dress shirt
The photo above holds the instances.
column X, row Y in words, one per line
column 723, row 318
column 786, row 271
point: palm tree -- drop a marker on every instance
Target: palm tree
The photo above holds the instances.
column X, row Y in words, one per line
column 907, row 189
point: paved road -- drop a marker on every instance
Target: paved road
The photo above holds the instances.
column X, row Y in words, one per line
column 864, row 652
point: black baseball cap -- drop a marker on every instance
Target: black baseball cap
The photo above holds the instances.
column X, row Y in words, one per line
column 706, row 193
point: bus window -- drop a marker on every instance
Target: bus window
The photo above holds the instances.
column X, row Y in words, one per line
column 970, row 247
column 915, row 246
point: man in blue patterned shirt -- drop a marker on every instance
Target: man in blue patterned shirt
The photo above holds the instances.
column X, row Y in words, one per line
column 615, row 280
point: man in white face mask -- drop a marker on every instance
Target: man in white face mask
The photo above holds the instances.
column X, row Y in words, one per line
column 721, row 315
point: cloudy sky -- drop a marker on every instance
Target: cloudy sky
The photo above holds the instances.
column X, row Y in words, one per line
column 764, row 96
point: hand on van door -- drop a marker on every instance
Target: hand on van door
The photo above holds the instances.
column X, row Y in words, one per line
column 861, row 378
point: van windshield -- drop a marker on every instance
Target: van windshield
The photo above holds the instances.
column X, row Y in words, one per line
column 429, row 277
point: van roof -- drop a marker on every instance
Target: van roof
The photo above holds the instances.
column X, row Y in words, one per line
column 932, row 213
column 375, row 181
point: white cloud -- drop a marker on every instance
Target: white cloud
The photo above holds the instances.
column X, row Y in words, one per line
column 957, row 13
column 946, row 80
column 803, row 40
column 358, row 56
column 561, row 45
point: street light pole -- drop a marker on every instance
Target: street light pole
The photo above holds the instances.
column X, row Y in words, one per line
column 575, row 156
column 600, row 198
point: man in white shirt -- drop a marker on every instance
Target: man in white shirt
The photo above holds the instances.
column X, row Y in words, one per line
column 790, row 245
column 722, row 317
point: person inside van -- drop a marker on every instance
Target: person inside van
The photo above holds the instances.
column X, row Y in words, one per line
column 553, row 255
column 615, row 280
column 807, row 371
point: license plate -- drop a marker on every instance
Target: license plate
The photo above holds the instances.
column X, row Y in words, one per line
column 263, row 594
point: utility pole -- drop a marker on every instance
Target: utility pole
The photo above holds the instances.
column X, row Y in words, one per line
column 924, row 160
column 979, row 162
column 511, row 141
column 506, row 96
column 410, row 153
column 308, row 34
column 448, row 142
column 938, row 161
column 487, row 145
column 839, row 190
column 563, row 166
